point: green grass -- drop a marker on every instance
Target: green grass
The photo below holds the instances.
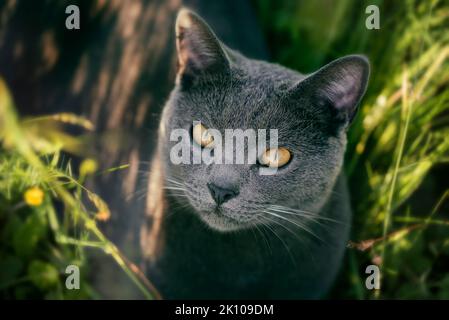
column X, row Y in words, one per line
column 38, row 241
column 399, row 137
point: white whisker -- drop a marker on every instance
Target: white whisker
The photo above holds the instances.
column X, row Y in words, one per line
column 174, row 188
column 280, row 239
column 302, row 213
column 308, row 217
column 296, row 223
column 265, row 238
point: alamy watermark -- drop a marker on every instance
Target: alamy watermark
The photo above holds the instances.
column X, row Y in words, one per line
column 373, row 19
column 373, row 280
column 72, row 282
column 73, row 20
column 206, row 147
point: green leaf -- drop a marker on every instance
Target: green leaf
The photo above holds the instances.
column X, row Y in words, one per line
column 43, row 275
column 10, row 269
column 28, row 235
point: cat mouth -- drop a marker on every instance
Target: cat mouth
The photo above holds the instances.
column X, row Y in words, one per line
column 219, row 219
column 219, row 212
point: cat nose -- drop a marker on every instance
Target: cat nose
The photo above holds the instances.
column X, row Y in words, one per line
column 220, row 194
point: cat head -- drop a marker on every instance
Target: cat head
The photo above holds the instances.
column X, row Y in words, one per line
column 225, row 90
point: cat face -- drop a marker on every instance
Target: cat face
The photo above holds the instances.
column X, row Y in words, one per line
column 225, row 90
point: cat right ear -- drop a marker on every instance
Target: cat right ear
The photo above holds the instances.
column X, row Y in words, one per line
column 338, row 87
column 199, row 50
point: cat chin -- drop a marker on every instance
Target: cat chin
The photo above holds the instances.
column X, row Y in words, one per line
column 223, row 223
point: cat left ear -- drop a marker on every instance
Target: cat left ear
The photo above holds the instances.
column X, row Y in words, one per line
column 340, row 85
column 199, row 50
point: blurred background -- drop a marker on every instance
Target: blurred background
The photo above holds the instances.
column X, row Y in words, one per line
column 79, row 109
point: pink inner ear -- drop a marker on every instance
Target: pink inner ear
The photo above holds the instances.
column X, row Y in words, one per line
column 185, row 40
column 345, row 90
column 181, row 49
column 197, row 47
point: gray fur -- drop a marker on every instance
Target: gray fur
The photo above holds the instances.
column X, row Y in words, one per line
column 239, row 250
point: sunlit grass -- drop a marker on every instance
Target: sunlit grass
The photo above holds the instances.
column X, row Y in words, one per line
column 38, row 242
column 399, row 136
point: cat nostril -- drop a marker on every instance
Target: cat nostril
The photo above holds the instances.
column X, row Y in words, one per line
column 221, row 195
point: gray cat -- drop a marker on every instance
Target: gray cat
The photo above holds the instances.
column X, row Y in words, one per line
column 224, row 230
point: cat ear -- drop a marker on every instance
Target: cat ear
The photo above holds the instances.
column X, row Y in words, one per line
column 199, row 50
column 340, row 85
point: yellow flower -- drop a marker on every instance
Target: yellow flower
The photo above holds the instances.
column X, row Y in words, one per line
column 88, row 166
column 34, row 196
column 103, row 216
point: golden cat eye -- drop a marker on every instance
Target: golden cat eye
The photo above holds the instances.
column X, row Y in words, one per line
column 275, row 158
column 202, row 136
